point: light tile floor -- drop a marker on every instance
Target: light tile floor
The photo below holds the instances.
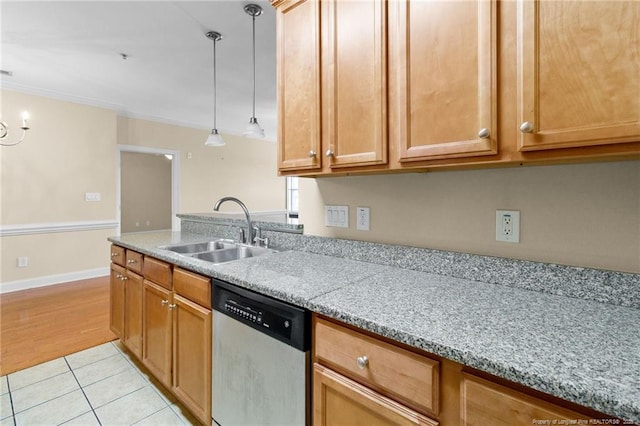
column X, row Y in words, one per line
column 103, row 385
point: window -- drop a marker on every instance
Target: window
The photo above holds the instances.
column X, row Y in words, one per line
column 292, row 196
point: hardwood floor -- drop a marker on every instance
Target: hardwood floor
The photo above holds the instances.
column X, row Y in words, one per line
column 46, row 323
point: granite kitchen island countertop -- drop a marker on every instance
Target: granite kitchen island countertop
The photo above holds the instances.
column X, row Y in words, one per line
column 580, row 350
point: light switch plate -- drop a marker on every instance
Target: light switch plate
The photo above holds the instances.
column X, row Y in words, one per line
column 336, row 216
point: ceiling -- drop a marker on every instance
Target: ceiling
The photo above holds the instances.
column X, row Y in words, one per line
column 72, row 50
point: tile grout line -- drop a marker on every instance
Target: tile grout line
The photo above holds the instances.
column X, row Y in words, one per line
column 13, row 411
column 83, row 393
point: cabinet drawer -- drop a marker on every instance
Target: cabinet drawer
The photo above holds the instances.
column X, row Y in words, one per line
column 406, row 376
column 157, row 271
column 340, row 401
column 117, row 255
column 486, row 403
column 134, row 261
column 192, row 286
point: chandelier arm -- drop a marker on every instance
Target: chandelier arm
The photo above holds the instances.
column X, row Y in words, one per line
column 4, row 132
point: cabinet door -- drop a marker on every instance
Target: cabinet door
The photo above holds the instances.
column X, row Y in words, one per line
column 299, row 125
column 485, row 403
column 340, row 401
column 157, row 332
column 355, row 94
column 579, row 72
column 443, row 75
column 133, row 313
column 116, row 300
column 192, row 356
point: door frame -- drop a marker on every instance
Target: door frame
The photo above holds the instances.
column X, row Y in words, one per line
column 175, row 180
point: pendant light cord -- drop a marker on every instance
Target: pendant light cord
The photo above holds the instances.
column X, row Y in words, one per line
column 215, row 91
column 254, row 65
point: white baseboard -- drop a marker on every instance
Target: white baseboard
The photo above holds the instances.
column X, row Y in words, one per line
column 11, row 286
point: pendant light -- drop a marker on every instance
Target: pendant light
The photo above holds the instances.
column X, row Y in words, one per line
column 253, row 129
column 214, row 138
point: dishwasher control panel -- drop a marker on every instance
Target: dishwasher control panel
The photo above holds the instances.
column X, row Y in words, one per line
column 278, row 319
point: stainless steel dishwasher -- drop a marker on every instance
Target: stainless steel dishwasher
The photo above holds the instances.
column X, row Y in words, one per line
column 261, row 359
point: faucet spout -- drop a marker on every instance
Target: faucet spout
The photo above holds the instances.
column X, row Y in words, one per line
column 248, row 236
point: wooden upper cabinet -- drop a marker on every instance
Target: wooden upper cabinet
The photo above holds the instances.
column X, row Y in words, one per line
column 579, row 73
column 442, row 70
column 354, row 82
column 298, row 56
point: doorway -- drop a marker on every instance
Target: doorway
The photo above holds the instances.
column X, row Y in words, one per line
column 147, row 189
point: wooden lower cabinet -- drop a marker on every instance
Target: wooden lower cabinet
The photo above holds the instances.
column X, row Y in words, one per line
column 192, row 371
column 338, row 400
column 177, row 347
column 163, row 316
column 157, row 324
column 360, row 378
column 132, row 336
column 116, row 300
column 487, row 403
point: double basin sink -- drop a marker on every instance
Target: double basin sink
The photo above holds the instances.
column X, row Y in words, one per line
column 218, row 250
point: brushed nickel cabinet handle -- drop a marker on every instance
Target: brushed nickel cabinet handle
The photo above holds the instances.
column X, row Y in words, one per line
column 164, row 302
column 312, row 154
column 526, row 127
column 484, row 133
column 362, row 362
column 329, row 153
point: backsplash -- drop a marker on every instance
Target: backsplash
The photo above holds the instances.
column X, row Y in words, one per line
column 612, row 287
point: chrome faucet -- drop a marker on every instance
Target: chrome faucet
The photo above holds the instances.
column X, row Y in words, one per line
column 248, row 236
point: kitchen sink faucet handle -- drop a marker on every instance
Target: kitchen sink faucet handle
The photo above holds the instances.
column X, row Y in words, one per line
column 258, row 240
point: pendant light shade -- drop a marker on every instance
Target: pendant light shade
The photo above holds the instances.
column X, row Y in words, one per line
column 214, row 138
column 253, row 129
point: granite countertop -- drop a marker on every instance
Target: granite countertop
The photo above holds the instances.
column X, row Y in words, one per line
column 580, row 350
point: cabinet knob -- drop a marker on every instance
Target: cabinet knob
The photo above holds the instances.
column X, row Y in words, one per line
column 312, row 154
column 172, row 306
column 329, row 153
column 130, row 261
column 526, row 127
column 362, row 362
column 164, row 302
column 484, row 133
column 114, row 254
column 123, row 278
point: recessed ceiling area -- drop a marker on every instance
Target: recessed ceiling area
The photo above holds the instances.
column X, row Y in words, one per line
column 73, row 50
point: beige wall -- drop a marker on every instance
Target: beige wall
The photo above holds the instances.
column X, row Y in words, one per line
column 71, row 149
column 145, row 192
column 244, row 168
column 583, row 214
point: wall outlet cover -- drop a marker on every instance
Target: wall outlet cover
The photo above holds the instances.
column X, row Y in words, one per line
column 362, row 218
column 508, row 226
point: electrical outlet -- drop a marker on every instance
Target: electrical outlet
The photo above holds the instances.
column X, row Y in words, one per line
column 23, row 262
column 362, row 218
column 336, row 216
column 92, row 196
column 508, row 226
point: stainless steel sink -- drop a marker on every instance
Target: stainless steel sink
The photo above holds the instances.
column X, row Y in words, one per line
column 218, row 250
column 235, row 253
column 191, row 248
